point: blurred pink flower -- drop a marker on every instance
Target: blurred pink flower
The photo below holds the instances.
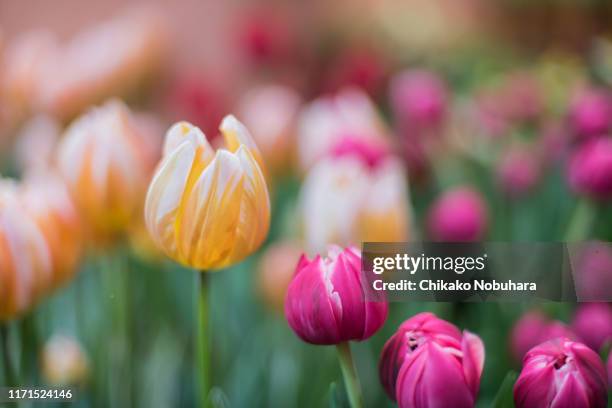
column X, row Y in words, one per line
column 553, row 142
column 593, row 324
column 534, row 328
column 427, row 355
column 266, row 37
column 518, row 172
column 591, row 112
column 270, row 112
column 590, row 168
column 197, row 100
column 108, row 59
column 370, row 153
column 561, row 373
column 459, row 214
column 360, row 66
column 328, row 119
column 419, row 100
column 326, row 302
column 521, row 97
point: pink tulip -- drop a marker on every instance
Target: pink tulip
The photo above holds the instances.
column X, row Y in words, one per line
column 534, row 328
column 518, row 172
column 428, row 362
column 561, row 374
column 326, row 302
column 459, row 214
column 591, row 113
column 419, row 99
column 590, row 169
column 593, row 324
column 370, row 152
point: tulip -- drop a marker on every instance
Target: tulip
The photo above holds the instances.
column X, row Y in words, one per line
column 326, row 302
column 521, row 97
column 534, row 328
column 269, row 112
column 64, row 362
column 323, row 123
column 106, row 164
column 208, row 209
column 428, row 362
column 590, row 169
column 48, row 202
column 518, row 172
column 460, row 214
column 25, row 260
column 357, row 65
column 593, row 324
column 561, row 373
column 591, row 113
column 419, row 100
column 357, row 195
column 276, row 269
column 107, row 59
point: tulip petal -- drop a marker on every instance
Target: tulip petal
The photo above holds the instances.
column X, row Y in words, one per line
column 165, row 194
column 571, row 394
column 473, row 360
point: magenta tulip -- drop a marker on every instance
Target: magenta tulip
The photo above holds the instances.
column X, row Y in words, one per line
column 518, row 172
column 591, row 113
column 326, row 302
column 593, row 324
column 590, row 169
column 419, row 100
column 534, row 328
column 458, row 215
column 561, row 374
column 428, row 363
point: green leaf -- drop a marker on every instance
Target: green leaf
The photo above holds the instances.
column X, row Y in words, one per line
column 504, row 397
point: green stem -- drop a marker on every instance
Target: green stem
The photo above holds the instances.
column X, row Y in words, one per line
column 9, row 369
column 204, row 338
column 351, row 381
column 580, row 222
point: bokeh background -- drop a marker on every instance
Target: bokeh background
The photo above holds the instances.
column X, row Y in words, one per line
column 502, row 98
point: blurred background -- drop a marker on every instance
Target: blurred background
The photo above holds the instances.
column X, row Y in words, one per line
column 378, row 120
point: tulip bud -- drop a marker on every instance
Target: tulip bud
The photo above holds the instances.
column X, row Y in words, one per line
column 48, row 201
column 276, row 269
column 269, row 112
column 561, row 373
column 593, row 324
column 459, row 214
column 534, row 328
column 25, row 261
column 590, row 169
column 427, row 355
column 591, row 113
column 518, row 172
column 106, row 165
column 419, row 100
column 64, row 362
column 326, row 302
column 208, row 209
column 344, row 200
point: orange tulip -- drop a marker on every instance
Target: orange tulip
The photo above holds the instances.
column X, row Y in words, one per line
column 208, row 209
column 25, row 261
column 47, row 200
column 106, row 164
